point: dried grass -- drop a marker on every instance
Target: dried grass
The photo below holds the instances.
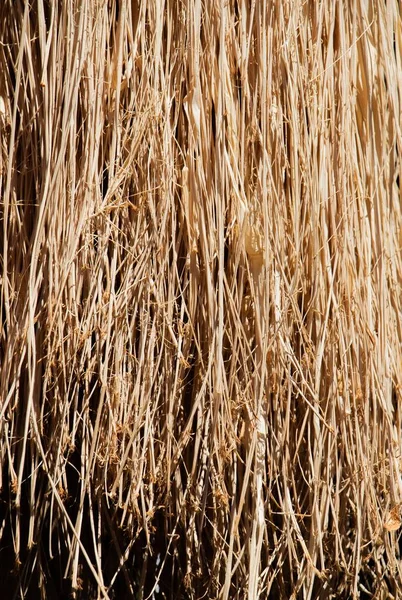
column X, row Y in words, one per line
column 201, row 276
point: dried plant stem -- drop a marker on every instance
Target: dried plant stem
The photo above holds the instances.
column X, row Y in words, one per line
column 200, row 291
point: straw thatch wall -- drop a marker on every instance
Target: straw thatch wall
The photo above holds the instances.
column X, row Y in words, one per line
column 201, row 299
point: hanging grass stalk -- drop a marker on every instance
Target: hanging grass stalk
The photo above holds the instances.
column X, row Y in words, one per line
column 200, row 291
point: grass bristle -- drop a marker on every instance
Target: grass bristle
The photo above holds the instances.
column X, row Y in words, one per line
column 201, row 287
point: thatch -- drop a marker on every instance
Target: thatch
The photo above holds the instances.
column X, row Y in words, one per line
column 201, row 276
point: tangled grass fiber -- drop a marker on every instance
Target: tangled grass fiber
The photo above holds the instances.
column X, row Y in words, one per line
column 201, row 287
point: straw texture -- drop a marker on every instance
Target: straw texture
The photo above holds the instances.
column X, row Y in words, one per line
column 201, row 271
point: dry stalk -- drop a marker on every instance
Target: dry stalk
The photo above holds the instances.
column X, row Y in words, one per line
column 200, row 350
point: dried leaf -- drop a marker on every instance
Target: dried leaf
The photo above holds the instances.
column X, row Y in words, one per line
column 393, row 521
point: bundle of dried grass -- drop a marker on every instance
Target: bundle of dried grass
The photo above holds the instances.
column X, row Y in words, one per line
column 201, row 298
